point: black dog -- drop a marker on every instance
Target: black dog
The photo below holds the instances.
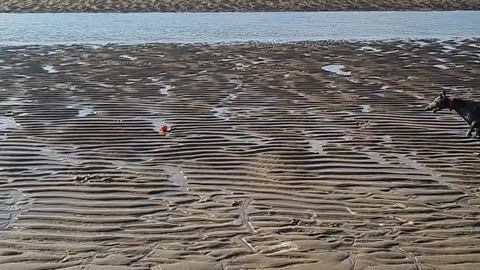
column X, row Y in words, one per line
column 469, row 110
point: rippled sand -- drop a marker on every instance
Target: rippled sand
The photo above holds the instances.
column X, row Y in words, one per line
column 229, row 5
column 313, row 156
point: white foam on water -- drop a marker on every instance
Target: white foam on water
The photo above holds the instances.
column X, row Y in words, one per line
column 49, row 69
column 441, row 60
column 337, row 69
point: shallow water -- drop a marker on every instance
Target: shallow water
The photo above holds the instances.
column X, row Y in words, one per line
column 135, row 28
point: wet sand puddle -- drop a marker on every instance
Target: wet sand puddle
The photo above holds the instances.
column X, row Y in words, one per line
column 315, row 170
column 337, row 69
column 49, row 69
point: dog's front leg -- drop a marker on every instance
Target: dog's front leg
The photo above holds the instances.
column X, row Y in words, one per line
column 472, row 127
column 469, row 133
column 477, row 131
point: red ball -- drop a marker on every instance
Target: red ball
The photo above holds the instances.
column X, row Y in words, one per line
column 164, row 128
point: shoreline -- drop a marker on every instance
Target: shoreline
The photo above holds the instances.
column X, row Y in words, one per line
column 259, row 44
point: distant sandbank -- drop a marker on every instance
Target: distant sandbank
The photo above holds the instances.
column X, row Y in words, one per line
column 229, row 5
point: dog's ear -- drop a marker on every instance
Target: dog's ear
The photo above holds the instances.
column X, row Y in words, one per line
column 444, row 94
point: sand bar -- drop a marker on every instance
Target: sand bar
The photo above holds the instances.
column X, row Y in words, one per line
column 272, row 163
column 229, row 5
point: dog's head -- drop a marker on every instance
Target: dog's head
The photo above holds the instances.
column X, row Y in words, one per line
column 439, row 103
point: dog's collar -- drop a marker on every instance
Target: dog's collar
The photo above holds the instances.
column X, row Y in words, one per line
column 450, row 102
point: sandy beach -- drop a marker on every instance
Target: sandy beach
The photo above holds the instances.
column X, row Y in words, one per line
column 229, row 5
column 298, row 156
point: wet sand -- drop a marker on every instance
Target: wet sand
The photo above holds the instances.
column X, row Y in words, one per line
column 227, row 5
column 301, row 156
